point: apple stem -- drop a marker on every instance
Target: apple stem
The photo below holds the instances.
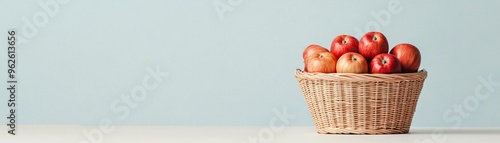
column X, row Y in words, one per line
column 343, row 41
column 374, row 38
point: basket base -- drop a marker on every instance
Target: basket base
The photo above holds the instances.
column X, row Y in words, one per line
column 361, row 131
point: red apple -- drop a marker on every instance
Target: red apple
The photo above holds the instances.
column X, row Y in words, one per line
column 408, row 55
column 352, row 62
column 343, row 44
column 323, row 62
column 385, row 64
column 312, row 49
column 372, row 44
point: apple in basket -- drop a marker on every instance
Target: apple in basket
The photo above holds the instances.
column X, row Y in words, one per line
column 372, row 44
column 343, row 44
column 385, row 64
column 352, row 62
column 408, row 55
column 323, row 62
column 310, row 51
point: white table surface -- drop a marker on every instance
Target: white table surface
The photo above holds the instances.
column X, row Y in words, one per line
column 239, row 134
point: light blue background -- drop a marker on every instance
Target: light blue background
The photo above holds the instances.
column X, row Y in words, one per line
column 235, row 71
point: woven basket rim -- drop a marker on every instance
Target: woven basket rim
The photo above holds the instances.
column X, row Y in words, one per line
column 420, row 75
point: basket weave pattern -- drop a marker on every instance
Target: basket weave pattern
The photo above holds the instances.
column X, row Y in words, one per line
column 361, row 103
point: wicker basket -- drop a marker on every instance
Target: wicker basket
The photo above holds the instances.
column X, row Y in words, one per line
column 361, row 103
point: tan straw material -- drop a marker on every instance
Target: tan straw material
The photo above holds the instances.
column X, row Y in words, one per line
column 343, row 103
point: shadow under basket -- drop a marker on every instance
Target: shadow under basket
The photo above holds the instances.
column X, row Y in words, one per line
column 346, row 103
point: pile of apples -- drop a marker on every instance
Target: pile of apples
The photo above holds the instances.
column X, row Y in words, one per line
column 369, row 55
